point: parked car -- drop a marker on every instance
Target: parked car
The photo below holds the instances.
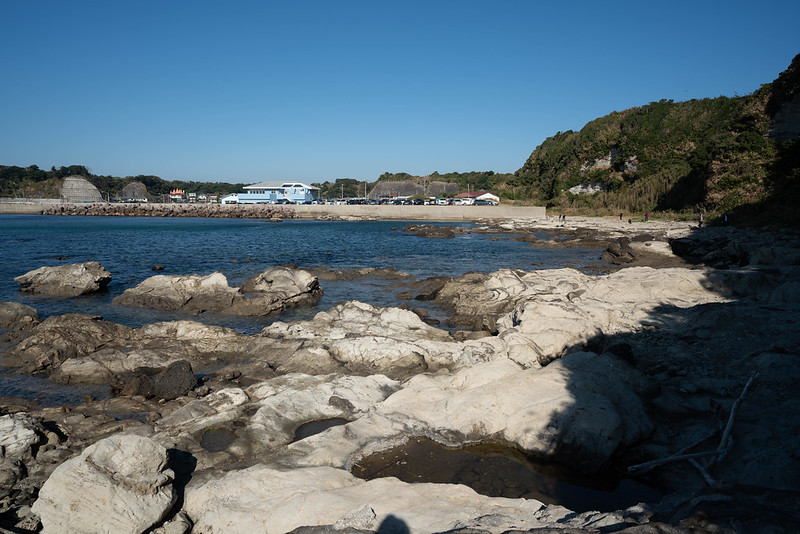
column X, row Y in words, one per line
column 484, row 202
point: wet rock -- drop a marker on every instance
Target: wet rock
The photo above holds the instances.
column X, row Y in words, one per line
column 429, row 230
column 122, row 483
column 85, row 349
column 175, row 381
column 16, row 315
column 59, row 338
column 65, row 280
column 323, row 273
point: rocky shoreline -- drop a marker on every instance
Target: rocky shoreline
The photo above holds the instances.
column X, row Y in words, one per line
column 682, row 342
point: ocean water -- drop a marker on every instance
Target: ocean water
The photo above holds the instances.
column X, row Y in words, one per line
column 129, row 247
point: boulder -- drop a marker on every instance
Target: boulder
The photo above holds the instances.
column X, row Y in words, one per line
column 270, row 292
column 121, row 484
column 175, row 381
column 284, row 282
column 191, row 293
column 65, row 280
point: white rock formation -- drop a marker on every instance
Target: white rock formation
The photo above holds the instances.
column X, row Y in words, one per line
column 65, row 280
column 272, row 291
column 119, row 485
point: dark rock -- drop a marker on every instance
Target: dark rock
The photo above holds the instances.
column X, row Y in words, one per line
column 157, row 267
column 175, row 381
column 422, row 313
column 619, row 252
column 426, row 230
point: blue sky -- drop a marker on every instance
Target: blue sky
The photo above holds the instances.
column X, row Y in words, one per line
column 318, row 90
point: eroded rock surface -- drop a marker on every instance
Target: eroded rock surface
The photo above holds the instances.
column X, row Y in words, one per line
column 582, row 369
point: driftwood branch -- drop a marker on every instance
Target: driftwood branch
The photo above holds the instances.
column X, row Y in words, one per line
column 647, row 466
column 703, row 472
column 725, row 445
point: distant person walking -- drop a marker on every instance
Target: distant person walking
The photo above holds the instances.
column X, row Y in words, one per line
column 620, row 216
column 647, row 216
column 700, row 221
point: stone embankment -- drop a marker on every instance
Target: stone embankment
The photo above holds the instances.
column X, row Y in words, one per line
column 172, row 210
column 597, row 371
column 329, row 212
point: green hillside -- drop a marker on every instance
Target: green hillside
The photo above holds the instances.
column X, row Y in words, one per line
column 33, row 182
column 719, row 155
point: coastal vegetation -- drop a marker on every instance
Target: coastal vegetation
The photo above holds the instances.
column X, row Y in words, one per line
column 33, row 182
column 727, row 155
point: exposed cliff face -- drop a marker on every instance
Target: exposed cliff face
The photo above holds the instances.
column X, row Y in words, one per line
column 784, row 104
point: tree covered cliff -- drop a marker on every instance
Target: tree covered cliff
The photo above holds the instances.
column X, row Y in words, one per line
column 719, row 155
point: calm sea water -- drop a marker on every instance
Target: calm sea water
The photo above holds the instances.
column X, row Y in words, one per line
column 128, row 247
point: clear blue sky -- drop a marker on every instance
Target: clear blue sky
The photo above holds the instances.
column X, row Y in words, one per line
column 318, row 90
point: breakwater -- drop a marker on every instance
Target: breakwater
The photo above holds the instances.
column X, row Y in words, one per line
column 263, row 211
column 251, row 211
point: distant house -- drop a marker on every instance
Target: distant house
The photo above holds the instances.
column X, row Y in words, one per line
column 177, row 195
column 274, row 193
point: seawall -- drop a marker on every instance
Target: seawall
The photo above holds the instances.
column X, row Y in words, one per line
column 411, row 213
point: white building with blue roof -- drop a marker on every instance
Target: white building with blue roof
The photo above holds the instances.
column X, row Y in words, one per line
column 274, row 193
